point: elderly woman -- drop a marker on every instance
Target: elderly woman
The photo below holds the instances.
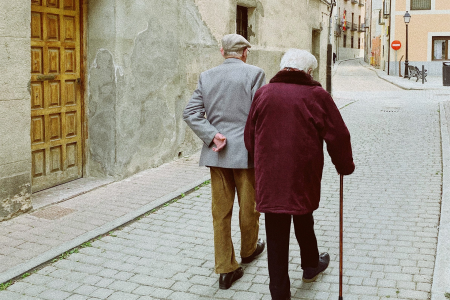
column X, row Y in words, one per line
column 288, row 121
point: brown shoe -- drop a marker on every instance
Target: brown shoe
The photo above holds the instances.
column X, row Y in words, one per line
column 227, row 279
column 260, row 245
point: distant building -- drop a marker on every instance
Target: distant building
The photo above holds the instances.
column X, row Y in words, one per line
column 349, row 29
column 428, row 33
column 97, row 88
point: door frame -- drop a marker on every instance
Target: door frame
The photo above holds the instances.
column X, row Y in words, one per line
column 83, row 85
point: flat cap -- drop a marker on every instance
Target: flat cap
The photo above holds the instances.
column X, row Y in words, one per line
column 234, row 42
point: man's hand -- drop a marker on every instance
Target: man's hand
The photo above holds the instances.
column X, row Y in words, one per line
column 220, row 141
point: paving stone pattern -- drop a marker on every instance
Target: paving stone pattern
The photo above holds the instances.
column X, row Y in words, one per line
column 392, row 206
column 29, row 235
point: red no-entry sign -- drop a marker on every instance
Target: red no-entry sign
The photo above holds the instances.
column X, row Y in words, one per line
column 396, row 45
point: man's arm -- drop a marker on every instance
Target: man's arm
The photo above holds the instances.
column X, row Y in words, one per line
column 258, row 82
column 249, row 131
column 194, row 116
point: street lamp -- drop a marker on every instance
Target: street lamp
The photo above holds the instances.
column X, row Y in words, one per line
column 407, row 18
column 329, row 49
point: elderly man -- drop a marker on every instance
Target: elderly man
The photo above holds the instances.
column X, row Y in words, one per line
column 224, row 95
column 287, row 124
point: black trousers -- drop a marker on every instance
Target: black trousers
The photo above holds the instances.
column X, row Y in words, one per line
column 278, row 229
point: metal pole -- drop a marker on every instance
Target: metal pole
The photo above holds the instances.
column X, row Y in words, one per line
column 389, row 40
column 423, row 72
column 395, row 65
column 406, row 60
column 341, row 233
column 329, row 51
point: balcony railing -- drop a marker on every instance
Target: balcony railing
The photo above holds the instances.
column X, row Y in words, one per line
column 354, row 27
column 361, row 27
column 355, row 1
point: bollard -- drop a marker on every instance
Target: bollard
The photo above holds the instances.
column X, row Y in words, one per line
column 423, row 74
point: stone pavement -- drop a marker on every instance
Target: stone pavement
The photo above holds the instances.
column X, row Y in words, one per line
column 391, row 213
column 34, row 238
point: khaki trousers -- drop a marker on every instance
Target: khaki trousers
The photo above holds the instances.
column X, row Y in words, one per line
column 224, row 184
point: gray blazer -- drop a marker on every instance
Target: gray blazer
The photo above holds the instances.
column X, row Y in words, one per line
column 221, row 103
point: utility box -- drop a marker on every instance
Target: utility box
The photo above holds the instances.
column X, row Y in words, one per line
column 446, row 73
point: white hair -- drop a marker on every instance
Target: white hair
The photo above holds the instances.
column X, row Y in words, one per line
column 298, row 59
column 237, row 53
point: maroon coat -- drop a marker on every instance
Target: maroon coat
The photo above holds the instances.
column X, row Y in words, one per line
column 288, row 121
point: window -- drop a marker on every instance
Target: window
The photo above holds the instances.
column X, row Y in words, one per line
column 420, row 4
column 441, row 47
column 345, row 41
column 351, row 42
column 242, row 21
column 359, row 43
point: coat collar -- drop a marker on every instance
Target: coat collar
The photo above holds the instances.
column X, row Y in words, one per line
column 295, row 77
column 233, row 60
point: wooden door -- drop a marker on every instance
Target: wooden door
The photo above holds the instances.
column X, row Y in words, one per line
column 56, row 108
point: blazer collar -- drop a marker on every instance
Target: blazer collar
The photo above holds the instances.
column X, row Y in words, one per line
column 233, row 60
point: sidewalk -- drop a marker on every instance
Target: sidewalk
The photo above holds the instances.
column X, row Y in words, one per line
column 432, row 83
column 84, row 210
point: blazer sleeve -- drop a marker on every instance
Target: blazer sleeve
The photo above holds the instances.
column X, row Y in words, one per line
column 194, row 116
column 259, row 81
column 250, row 127
column 333, row 130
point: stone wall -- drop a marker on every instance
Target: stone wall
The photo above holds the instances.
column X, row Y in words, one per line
column 15, row 157
column 143, row 64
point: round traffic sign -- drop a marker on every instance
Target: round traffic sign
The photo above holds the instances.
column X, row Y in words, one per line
column 396, row 45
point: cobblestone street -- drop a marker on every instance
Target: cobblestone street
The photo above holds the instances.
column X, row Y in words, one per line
column 392, row 206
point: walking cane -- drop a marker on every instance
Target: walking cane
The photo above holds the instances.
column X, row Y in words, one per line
column 341, row 233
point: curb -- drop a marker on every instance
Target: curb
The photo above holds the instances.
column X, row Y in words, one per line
column 441, row 275
column 55, row 252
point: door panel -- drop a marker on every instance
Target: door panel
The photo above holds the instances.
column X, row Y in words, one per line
column 56, row 143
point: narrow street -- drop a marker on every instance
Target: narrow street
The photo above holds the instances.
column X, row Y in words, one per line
column 391, row 215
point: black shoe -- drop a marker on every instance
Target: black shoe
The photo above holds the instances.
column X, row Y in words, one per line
column 227, row 279
column 310, row 274
column 260, row 245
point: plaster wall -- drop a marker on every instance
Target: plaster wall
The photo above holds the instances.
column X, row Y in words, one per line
column 15, row 111
column 442, row 4
column 420, row 33
column 143, row 64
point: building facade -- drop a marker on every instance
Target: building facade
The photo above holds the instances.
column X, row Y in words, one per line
column 428, row 33
column 349, row 34
column 97, row 88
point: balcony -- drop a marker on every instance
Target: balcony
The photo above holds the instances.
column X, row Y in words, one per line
column 361, row 3
column 355, row 1
column 354, row 27
column 362, row 27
